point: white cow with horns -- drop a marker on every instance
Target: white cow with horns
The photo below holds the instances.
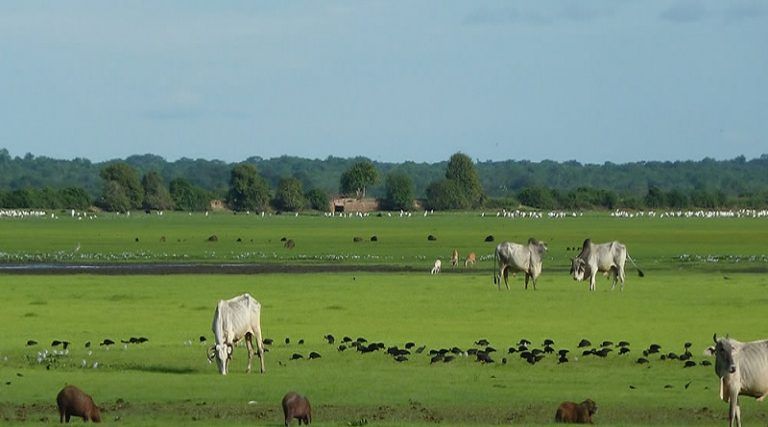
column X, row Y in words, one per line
column 235, row 319
column 743, row 370
column 516, row 257
column 608, row 258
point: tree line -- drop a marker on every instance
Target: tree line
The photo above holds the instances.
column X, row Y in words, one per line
column 293, row 184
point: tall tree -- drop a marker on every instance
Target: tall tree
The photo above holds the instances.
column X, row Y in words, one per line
column 289, row 195
column 125, row 177
column 461, row 170
column 247, row 189
column 317, row 199
column 398, row 192
column 187, row 197
column 357, row 177
column 156, row 195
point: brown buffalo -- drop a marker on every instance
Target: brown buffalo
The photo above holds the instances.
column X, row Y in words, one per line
column 74, row 402
column 296, row 406
column 577, row 413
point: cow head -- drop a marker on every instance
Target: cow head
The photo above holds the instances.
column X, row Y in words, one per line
column 223, row 354
column 578, row 269
column 725, row 352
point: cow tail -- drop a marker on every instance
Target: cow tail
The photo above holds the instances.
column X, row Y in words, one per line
column 495, row 265
column 639, row 272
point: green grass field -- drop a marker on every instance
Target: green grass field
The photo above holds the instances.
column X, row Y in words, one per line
column 719, row 287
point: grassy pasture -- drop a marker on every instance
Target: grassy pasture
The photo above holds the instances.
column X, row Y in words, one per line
column 654, row 242
column 168, row 381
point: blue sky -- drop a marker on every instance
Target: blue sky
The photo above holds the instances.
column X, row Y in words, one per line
column 591, row 81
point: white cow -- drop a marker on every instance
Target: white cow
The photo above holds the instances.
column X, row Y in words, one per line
column 235, row 319
column 608, row 258
column 436, row 267
column 743, row 370
column 516, row 257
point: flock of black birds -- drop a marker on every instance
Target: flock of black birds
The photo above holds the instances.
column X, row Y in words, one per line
column 105, row 342
column 484, row 353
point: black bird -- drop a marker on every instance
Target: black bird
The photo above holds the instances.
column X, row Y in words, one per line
column 287, row 340
column 563, row 352
column 654, row 348
column 623, row 344
column 301, row 341
column 330, row 339
column 489, row 349
column 448, row 358
column 522, row 348
column 436, row 358
column 525, row 354
column 549, row 349
column 420, row 349
column 584, row 343
column 393, row 351
column 706, row 363
column 410, row 345
column 548, row 341
column 482, row 342
column 401, row 359
column 457, row 351
column 31, row 342
column 472, row 351
column 536, row 351
column 87, row 344
column 687, row 345
column 606, row 344
column 672, row 356
column 685, row 356
column 511, row 350
column 55, row 343
column 689, row 364
column 668, row 386
column 296, row 356
column 503, row 360
column 603, row 352
column 687, row 384
column 483, row 357
column 314, row 355
column 346, row 339
column 342, row 347
column 203, row 339
column 361, row 340
column 631, row 387
column 562, row 359
column 663, row 357
column 268, row 341
column 588, row 352
column 107, row 342
column 623, row 350
column 65, row 344
column 524, row 342
column 641, row 360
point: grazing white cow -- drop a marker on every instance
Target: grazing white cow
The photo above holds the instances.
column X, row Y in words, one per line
column 608, row 258
column 743, row 370
column 235, row 319
column 516, row 257
column 436, row 267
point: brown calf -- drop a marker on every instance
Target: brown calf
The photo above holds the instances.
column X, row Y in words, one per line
column 74, row 402
column 296, row 406
column 577, row 413
column 471, row 259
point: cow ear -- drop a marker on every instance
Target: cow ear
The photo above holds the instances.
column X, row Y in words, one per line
column 710, row 351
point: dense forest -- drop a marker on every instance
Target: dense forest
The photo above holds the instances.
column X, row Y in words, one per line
column 547, row 184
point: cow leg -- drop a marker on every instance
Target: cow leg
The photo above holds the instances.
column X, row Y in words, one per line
column 734, row 414
column 592, row 286
column 249, row 348
column 526, row 281
column 260, row 346
column 621, row 277
column 506, row 277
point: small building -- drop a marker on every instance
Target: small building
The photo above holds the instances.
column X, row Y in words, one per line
column 217, row 205
column 351, row 204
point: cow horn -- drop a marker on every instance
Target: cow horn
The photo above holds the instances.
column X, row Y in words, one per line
column 714, row 337
column 211, row 354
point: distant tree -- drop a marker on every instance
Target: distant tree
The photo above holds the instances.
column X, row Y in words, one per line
column 446, row 194
column 289, row 195
column 74, row 198
column 114, row 198
column 356, row 178
column 187, row 197
column 676, row 199
column 156, row 195
column 462, row 170
column 537, row 197
column 398, row 192
column 655, row 198
column 247, row 189
column 317, row 199
column 127, row 178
